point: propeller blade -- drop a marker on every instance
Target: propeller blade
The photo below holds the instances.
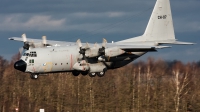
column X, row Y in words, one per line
column 44, row 40
column 104, row 42
column 96, row 45
column 87, row 46
column 26, row 43
column 24, row 37
column 78, row 42
column 20, row 51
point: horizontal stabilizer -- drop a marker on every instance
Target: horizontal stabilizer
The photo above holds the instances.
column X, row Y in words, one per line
column 177, row 43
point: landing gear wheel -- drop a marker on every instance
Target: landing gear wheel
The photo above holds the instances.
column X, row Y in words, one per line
column 84, row 73
column 101, row 74
column 75, row 73
column 93, row 74
column 34, row 76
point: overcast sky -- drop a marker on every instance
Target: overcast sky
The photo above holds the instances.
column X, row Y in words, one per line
column 92, row 20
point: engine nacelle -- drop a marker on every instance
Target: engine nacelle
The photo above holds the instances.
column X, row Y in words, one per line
column 114, row 51
column 92, row 52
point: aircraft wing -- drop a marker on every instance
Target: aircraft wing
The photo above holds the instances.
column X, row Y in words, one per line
column 49, row 42
column 125, row 47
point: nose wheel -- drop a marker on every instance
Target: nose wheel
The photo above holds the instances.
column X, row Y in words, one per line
column 34, row 76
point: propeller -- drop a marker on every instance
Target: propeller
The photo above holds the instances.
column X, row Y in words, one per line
column 26, row 43
column 102, row 49
column 93, row 51
column 21, row 51
column 82, row 50
column 87, row 46
column 24, row 37
column 44, row 40
column 102, row 53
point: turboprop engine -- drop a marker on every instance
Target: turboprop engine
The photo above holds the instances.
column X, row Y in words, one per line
column 29, row 44
column 97, row 51
column 92, row 52
column 111, row 52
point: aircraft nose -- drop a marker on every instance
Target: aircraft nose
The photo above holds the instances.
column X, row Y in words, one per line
column 20, row 65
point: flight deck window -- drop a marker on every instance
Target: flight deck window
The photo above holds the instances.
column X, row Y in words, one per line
column 33, row 54
column 26, row 54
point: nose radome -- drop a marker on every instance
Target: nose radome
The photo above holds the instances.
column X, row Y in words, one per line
column 20, row 65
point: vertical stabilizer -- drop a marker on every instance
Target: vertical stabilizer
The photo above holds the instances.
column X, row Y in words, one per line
column 160, row 25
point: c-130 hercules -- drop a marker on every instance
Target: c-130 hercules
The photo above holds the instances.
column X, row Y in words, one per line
column 42, row 56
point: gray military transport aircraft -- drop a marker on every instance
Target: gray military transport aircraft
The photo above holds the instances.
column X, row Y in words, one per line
column 42, row 56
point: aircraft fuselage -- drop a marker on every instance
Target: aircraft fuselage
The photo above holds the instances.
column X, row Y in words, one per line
column 63, row 59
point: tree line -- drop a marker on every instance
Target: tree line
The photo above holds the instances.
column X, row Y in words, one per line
column 154, row 85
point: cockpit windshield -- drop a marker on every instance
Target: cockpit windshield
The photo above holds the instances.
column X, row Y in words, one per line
column 26, row 54
column 31, row 54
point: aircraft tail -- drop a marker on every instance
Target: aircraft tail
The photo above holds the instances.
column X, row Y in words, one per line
column 160, row 25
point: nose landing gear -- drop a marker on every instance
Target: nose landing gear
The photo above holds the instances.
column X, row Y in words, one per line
column 34, row 76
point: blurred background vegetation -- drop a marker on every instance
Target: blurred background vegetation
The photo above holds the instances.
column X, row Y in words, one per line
column 153, row 85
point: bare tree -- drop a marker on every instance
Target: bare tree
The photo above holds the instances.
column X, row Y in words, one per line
column 154, row 85
column 182, row 79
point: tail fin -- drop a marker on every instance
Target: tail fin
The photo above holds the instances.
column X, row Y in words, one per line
column 160, row 25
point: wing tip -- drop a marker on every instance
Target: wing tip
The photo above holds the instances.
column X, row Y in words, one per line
column 10, row 39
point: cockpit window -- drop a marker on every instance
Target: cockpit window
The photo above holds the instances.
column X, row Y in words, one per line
column 26, row 54
column 32, row 54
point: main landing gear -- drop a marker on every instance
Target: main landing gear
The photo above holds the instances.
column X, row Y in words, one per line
column 76, row 73
column 34, row 76
column 92, row 74
column 100, row 74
